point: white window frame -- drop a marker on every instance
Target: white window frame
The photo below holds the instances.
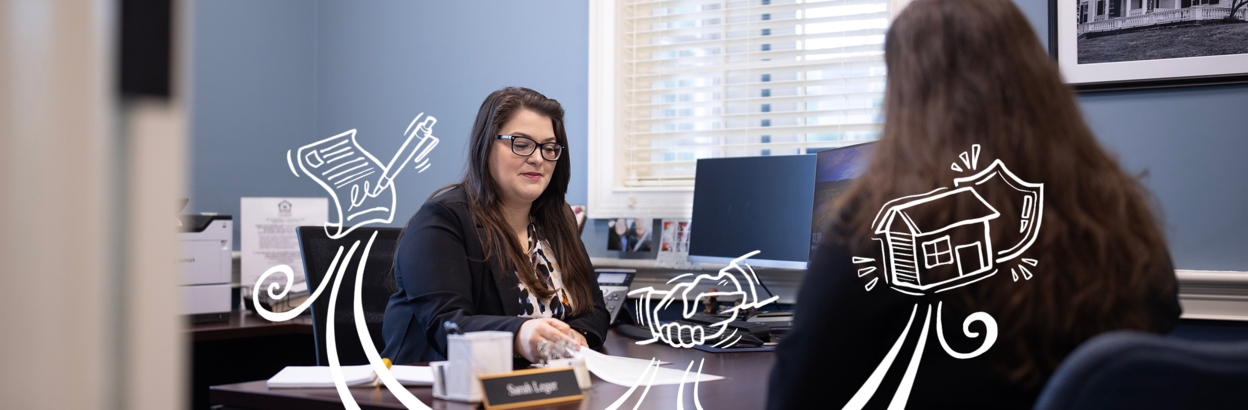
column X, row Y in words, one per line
column 607, row 199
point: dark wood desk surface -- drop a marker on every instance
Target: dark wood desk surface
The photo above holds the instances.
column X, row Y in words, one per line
column 744, row 386
column 248, row 324
column 243, row 348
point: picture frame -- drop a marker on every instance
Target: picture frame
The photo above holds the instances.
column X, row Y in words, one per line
column 1134, row 44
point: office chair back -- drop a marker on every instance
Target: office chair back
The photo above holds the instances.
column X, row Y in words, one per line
column 1135, row 370
column 318, row 252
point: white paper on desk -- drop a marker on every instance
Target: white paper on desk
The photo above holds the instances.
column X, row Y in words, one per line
column 412, row 375
column 320, row 376
column 267, row 237
column 625, row 371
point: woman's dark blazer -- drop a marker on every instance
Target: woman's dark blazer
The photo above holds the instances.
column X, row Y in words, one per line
column 442, row 275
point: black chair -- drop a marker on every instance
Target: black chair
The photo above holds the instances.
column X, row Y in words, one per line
column 1135, row 370
column 318, row 251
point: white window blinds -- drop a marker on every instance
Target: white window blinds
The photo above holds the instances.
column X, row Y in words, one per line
column 708, row 79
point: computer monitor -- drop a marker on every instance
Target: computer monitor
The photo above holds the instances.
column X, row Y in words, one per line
column 754, row 203
column 835, row 170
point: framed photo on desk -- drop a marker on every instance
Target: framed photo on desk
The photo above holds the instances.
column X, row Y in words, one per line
column 1123, row 44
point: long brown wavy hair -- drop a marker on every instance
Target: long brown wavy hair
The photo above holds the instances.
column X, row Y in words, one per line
column 550, row 211
column 963, row 72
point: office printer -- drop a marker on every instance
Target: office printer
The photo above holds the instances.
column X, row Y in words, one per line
column 204, row 265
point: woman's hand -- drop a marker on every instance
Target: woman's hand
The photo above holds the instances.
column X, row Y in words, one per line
column 535, row 331
column 580, row 339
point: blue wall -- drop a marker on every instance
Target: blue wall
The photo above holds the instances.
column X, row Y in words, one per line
column 271, row 76
column 275, row 75
column 254, row 80
column 1192, row 143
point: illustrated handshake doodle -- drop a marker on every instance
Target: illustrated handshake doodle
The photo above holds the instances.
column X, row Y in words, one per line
column 683, row 335
column 362, row 188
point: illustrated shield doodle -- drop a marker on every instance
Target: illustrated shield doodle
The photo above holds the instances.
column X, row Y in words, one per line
column 1015, row 235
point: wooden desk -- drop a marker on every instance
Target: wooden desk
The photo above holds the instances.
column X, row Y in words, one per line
column 244, row 325
column 744, row 387
column 247, row 347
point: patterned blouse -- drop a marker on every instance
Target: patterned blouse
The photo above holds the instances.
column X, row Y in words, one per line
column 556, row 306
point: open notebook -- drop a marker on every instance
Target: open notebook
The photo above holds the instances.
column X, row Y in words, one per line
column 362, row 375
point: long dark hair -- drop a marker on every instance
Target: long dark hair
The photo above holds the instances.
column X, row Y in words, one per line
column 963, row 72
column 550, row 211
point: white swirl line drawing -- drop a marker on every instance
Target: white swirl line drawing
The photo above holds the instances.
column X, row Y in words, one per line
column 361, row 328
column 873, row 381
column 342, row 162
column 342, row 167
column 680, row 392
column 370, row 351
column 335, row 369
column 653, row 365
column 907, row 381
column 913, row 253
column 989, row 338
column 671, row 332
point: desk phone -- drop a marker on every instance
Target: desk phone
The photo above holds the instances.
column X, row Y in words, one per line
column 615, row 284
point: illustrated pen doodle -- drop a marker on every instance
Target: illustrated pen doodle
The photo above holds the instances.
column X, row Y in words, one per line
column 417, row 154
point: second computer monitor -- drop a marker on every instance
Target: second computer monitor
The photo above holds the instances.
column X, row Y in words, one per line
column 835, row 170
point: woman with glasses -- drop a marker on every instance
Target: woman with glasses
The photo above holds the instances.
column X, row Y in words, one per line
column 499, row 250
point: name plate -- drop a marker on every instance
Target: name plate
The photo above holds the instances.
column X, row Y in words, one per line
column 530, row 387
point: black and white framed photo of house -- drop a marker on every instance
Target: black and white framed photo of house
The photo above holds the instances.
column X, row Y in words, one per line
column 1112, row 44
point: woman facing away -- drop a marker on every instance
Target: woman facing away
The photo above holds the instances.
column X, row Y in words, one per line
column 964, row 73
column 500, row 249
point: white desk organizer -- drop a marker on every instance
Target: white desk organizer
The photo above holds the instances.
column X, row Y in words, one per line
column 470, row 355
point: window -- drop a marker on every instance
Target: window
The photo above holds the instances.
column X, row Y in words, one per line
column 674, row 81
column 937, row 252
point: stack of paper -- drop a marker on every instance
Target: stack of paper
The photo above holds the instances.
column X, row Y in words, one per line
column 627, row 371
column 319, row 376
column 362, row 375
column 413, row 375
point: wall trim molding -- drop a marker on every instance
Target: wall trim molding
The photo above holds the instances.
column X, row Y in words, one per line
column 1204, row 294
column 1213, row 295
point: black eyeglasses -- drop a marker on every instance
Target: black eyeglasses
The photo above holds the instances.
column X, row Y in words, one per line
column 524, row 146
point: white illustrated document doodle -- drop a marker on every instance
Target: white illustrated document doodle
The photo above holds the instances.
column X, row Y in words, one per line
column 920, row 258
column 267, row 235
column 360, row 186
column 362, row 191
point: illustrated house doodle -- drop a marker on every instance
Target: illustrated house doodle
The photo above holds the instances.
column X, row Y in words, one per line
column 923, row 258
column 920, row 257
